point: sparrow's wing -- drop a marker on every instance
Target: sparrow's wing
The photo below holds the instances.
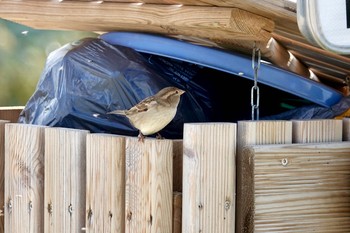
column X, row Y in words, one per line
column 143, row 106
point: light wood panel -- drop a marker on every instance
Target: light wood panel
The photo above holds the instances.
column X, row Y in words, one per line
column 255, row 133
column 149, row 188
column 312, row 131
column 24, row 180
column 2, row 173
column 297, row 188
column 209, row 177
column 65, row 180
column 105, row 189
column 10, row 113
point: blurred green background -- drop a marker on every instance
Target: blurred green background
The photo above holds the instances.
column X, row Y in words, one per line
column 23, row 53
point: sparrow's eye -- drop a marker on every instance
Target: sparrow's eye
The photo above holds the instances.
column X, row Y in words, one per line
column 177, row 92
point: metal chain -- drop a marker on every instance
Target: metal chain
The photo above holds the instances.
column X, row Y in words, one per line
column 255, row 93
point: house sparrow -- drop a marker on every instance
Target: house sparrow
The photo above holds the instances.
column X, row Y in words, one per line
column 153, row 113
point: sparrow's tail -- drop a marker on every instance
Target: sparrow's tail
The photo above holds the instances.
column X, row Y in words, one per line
column 118, row 112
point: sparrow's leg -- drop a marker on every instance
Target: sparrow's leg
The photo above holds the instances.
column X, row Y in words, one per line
column 141, row 137
column 159, row 136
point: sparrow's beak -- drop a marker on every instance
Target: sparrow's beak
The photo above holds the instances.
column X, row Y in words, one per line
column 181, row 91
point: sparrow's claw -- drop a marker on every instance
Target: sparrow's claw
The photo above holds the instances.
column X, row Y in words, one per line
column 159, row 136
column 141, row 137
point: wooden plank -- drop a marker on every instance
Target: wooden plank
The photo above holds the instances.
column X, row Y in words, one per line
column 24, row 181
column 206, row 22
column 209, row 177
column 312, row 131
column 65, row 180
column 105, row 189
column 177, row 165
column 297, row 188
column 10, row 113
column 2, row 174
column 346, row 129
column 177, row 212
column 149, row 194
column 255, row 133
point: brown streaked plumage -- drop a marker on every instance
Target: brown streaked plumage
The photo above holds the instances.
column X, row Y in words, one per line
column 153, row 113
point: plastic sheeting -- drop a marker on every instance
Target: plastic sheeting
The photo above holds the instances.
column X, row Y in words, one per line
column 84, row 80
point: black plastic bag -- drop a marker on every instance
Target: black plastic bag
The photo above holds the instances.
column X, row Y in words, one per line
column 83, row 81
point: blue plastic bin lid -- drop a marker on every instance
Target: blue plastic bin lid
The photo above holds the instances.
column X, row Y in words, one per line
column 225, row 61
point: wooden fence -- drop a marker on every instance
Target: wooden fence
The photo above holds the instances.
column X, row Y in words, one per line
column 222, row 177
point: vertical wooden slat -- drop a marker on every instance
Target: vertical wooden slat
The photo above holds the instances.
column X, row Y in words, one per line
column 255, row 133
column 177, row 165
column 65, row 180
column 346, row 129
column 105, row 190
column 24, row 181
column 2, row 173
column 313, row 131
column 177, row 212
column 209, row 178
column 149, row 188
column 10, row 113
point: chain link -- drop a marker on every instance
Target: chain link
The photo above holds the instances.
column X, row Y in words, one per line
column 255, row 92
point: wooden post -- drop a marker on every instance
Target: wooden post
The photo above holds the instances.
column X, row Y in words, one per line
column 149, row 188
column 24, row 181
column 177, row 165
column 255, row 133
column 2, row 173
column 65, row 180
column 297, row 188
column 10, row 113
column 312, row 131
column 177, row 212
column 346, row 129
column 105, row 189
column 209, row 177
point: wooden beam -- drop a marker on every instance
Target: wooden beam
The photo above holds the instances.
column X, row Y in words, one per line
column 346, row 129
column 24, row 181
column 177, row 165
column 105, row 187
column 312, row 131
column 10, row 113
column 207, row 22
column 177, row 212
column 2, row 174
column 297, row 188
column 254, row 133
column 149, row 188
column 209, row 177
column 65, row 180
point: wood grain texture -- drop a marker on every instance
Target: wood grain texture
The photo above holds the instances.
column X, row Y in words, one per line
column 325, row 130
column 24, row 180
column 177, row 165
column 346, row 129
column 177, row 212
column 65, row 180
column 10, row 113
column 255, row 133
column 297, row 188
column 149, row 194
column 2, row 173
column 209, row 177
column 105, row 187
column 206, row 22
